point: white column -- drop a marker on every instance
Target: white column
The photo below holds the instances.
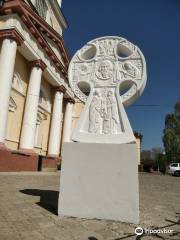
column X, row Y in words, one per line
column 7, row 62
column 56, row 122
column 60, row 2
column 68, row 121
column 31, row 108
column 33, row 2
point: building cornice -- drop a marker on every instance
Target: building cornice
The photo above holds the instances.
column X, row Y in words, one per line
column 61, row 89
column 12, row 34
column 38, row 63
column 70, row 100
column 37, row 26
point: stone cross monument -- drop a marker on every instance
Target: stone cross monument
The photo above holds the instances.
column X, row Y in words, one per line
column 99, row 170
column 106, row 65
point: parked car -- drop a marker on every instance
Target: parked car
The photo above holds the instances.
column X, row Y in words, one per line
column 174, row 169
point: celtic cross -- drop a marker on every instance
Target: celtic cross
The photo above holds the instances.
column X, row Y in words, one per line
column 107, row 74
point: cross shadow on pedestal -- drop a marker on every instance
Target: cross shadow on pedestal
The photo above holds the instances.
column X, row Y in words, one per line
column 48, row 198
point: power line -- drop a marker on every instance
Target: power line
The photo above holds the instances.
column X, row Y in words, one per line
column 152, row 105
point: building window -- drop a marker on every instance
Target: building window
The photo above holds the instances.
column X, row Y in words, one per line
column 41, row 7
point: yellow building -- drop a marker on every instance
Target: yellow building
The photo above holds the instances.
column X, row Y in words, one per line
column 37, row 107
column 36, row 101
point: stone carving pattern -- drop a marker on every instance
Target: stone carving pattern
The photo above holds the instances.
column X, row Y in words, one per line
column 103, row 113
column 100, row 65
column 129, row 68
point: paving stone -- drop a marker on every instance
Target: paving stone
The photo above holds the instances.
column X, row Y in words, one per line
column 28, row 210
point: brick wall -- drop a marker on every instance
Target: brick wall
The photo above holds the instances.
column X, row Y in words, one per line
column 11, row 161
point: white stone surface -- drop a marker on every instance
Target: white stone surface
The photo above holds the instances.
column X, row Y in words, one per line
column 56, row 124
column 27, row 140
column 106, row 65
column 99, row 181
column 33, row 2
column 59, row 2
column 7, row 62
column 68, row 122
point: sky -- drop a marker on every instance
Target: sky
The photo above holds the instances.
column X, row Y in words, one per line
column 152, row 25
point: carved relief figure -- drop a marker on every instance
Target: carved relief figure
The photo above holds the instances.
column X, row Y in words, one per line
column 84, row 71
column 106, row 48
column 99, row 65
column 81, row 73
column 111, row 117
column 105, row 117
column 105, row 70
column 102, row 49
column 95, row 113
column 110, row 48
column 130, row 69
column 103, row 113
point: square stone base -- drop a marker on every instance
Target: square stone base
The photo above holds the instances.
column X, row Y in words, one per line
column 99, row 181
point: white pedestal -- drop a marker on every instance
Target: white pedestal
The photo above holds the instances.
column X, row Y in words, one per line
column 99, row 181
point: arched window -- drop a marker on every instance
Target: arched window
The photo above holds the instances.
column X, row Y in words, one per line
column 41, row 7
